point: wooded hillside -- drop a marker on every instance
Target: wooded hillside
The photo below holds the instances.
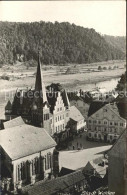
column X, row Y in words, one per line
column 60, row 43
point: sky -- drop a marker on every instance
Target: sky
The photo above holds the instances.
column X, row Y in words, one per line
column 106, row 17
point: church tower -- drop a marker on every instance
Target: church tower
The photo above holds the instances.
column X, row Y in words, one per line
column 40, row 107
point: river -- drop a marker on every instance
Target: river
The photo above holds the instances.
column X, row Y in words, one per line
column 107, row 85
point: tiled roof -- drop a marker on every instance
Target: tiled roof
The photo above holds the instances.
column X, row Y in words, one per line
column 119, row 147
column 54, row 185
column 75, row 114
column 14, row 122
column 8, row 106
column 24, row 140
column 91, row 165
column 95, row 106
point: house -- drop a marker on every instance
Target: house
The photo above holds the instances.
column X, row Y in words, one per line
column 117, row 171
column 27, row 154
column 104, row 122
column 80, row 103
column 96, row 173
column 77, row 122
column 41, row 108
column 15, row 122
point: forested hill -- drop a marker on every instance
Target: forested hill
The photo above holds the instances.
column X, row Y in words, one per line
column 118, row 42
column 60, row 43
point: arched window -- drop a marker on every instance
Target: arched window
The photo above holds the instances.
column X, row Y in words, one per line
column 36, row 165
column 23, row 171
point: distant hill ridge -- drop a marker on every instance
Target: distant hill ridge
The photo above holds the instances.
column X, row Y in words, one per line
column 60, row 43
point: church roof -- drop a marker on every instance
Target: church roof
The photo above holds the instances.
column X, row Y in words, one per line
column 15, row 122
column 39, row 83
column 24, row 140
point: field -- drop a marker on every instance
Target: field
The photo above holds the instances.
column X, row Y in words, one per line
column 22, row 77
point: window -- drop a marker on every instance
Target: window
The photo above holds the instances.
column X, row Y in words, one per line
column 99, row 136
column 58, row 118
column 46, row 117
column 121, row 124
column 111, row 123
column 105, row 110
column 60, row 108
column 63, row 116
column 116, row 124
column 99, row 122
column 57, row 109
column 56, row 129
column 63, row 126
column 97, row 115
column 89, row 121
column 36, row 165
column 23, row 175
column 105, row 122
column 66, row 114
column 95, row 135
column 94, row 122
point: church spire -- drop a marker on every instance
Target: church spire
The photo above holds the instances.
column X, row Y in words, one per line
column 39, row 83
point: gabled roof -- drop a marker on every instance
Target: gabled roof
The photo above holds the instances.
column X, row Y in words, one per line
column 52, row 98
column 100, row 170
column 119, row 148
column 8, row 105
column 95, row 106
column 75, row 114
column 14, row 122
column 24, row 140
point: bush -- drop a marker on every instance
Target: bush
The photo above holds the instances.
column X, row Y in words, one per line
column 99, row 68
column 5, row 77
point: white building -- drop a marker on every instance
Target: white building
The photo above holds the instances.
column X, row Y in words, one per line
column 104, row 122
column 27, row 154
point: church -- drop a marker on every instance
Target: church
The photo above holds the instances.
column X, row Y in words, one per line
column 41, row 108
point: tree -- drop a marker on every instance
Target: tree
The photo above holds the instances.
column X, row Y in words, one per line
column 122, row 83
column 99, row 68
column 54, row 87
